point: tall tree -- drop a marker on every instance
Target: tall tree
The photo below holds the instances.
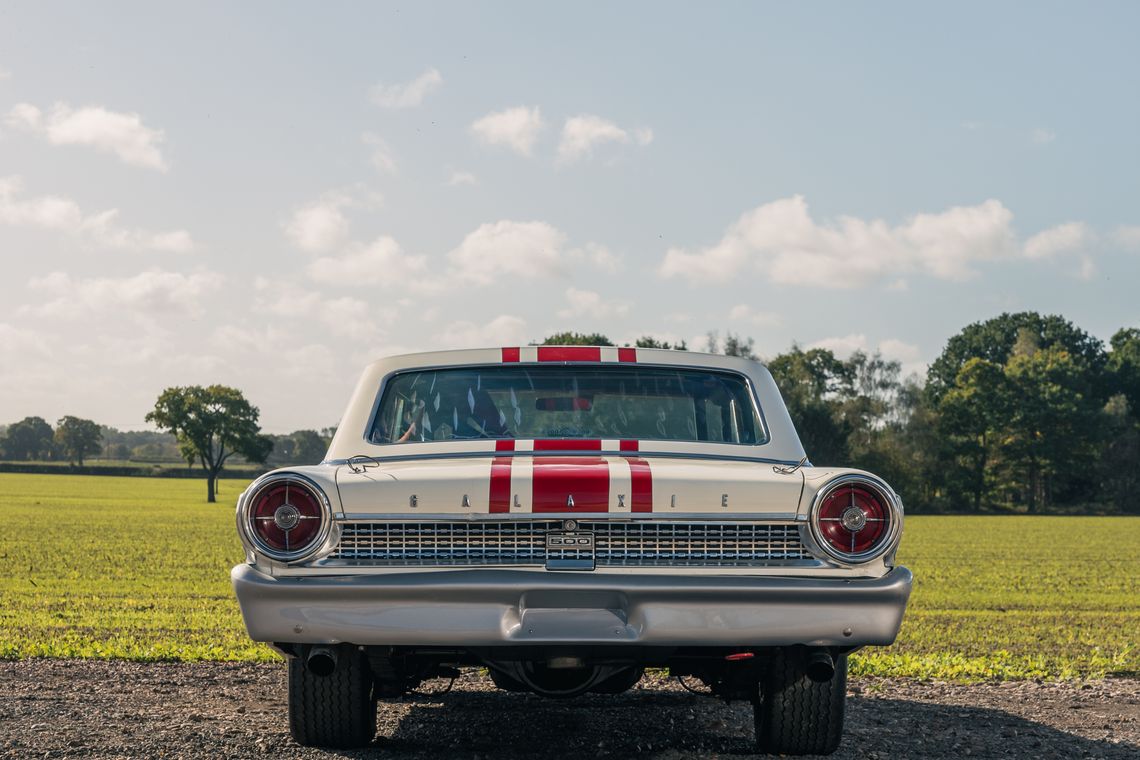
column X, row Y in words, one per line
column 971, row 415
column 994, row 340
column 78, row 438
column 577, row 339
column 814, row 385
column 211, row 424
column 30, row 438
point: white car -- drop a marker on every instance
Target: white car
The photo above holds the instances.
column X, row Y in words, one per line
column 567, row 516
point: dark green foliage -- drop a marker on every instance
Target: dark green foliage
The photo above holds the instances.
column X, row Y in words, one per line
column 212, row 424
column 30, row 438
column 78, row 438
column 577, row 339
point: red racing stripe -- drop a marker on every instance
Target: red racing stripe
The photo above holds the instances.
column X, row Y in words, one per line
column 558, row 479
column 628, row 445
column 510, row 354
column 499, row 495
column 627, row 354
column 505, row 444
column 569, row 354
column 641, row 484
column 568, row 444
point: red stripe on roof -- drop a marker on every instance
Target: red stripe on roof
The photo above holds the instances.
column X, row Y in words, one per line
column 641, row 485
column 505, row 444
column 510, row 354
column 557, row 480
column 568, row 444
column 627, row 354
column 569, row 354
column 499, row 494
column 628, row 445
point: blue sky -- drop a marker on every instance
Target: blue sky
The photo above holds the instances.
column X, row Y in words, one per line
column 270, row 195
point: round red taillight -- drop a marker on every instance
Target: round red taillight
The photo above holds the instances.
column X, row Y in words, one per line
column 854, row 519
column 286, row 516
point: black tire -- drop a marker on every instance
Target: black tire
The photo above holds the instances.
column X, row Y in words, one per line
column 796, row 715
column 620, row 682
column 336, row 710
column 505, row 682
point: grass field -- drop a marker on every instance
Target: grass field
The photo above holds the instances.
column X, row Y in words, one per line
column 138, row 568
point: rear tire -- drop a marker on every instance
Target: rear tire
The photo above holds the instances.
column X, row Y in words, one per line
column 336, row 710
column 798, row 716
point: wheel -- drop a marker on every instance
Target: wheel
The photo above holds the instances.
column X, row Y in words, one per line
column 621, row 681
column 796, row 715
column 336, row 710
column 505, row 682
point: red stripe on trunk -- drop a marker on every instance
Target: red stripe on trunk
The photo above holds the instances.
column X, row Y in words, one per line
column 641, row 485
column 510, row 354
column 627, row 354
column 558, row 479
column 569, row 354
column 499, row 495
column 568, row 444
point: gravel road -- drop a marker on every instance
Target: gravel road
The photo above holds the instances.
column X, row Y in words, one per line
column 75, row 708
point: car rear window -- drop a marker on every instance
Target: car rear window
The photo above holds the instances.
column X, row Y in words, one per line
column 567, row 401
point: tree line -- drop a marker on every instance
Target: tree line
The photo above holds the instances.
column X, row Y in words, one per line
column 1021, row 412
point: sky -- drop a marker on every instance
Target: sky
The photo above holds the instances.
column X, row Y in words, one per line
column 272, row 195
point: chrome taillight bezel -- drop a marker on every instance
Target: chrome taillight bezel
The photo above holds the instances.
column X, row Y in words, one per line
column 890, row 500
column 250, row 536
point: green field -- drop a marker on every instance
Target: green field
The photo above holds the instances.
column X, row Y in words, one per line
column 138, row 568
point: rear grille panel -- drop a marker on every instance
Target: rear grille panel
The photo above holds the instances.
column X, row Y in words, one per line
column 618, row 543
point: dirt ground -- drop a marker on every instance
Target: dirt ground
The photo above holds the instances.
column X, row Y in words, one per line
column 73, row 708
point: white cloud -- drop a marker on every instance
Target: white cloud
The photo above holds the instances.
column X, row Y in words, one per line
column 581, row 134
column 382, row 262
column 907, row 355
column 461, row 178
column 587, row 303
column 745, row 313
column 1064, row 238
column 123, row 134
column 319, row 226
column 504, row 330
column 407, row 95
column 515, row 128
column 782, row 241
column 598, row 256
column 101, row 229
column 1127, row 236
column 146, row 293
column 1042, row 136
column 1087, row 269
column 5, row 74
column 344, row 316
column 380, row 156
column 525, row 249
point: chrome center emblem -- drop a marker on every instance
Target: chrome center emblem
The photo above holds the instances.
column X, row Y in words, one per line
column 286, row 517
column 570, row 525
column 853, row 519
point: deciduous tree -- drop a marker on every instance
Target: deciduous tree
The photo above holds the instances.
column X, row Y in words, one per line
column 78, row 438
column 211, row 424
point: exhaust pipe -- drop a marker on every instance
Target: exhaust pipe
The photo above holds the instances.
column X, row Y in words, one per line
column 820, row 666
column 321, row 661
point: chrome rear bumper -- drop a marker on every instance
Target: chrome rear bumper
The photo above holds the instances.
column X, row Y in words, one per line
column 470, row 608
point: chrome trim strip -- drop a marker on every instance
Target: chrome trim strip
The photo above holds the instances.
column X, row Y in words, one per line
column 718, row 517
column 571, row 452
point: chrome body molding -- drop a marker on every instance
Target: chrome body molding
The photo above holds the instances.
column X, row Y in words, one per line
column 496, row 607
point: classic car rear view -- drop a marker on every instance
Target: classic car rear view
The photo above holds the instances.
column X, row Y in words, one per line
column 566, row 517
